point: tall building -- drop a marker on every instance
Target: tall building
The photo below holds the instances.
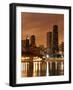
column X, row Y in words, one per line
column 55, row 47
column 61, row 47
column 27, row 42
column 49, row 41
column 33, row 44
column 23, row 43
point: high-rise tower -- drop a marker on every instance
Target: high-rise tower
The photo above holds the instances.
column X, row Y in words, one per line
column 33, row 41
column 27, row 42
column 49, row 41
column 55, row 47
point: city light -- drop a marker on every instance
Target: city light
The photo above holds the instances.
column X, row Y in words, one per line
column 42, row 45
column 47, row 56
column 25, row 58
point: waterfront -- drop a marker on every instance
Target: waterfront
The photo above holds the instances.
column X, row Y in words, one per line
column 42, row 44
column 35, row 67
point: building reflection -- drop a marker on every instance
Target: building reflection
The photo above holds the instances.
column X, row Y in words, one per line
column 42, row 68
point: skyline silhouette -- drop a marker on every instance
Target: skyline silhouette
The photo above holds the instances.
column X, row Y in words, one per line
column 39, row 24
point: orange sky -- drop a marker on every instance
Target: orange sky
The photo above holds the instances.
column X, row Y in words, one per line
column 39, row 24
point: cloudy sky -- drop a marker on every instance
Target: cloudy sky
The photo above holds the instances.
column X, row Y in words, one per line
column 39, row 24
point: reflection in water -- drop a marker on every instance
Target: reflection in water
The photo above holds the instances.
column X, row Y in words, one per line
column 42, row 68
column 56, row 68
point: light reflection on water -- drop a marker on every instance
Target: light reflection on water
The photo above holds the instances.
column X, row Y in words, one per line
column 42, row 68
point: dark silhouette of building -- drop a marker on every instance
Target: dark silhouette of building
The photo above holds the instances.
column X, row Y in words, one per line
column 27, row 48
column 62, row 47
column 55, row 47
column 27, row 42
column 49, row 41
column 32, row 41
column 23, row 43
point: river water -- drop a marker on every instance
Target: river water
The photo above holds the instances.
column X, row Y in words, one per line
column 42, row 68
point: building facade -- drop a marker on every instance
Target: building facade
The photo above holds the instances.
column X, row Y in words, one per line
column 49, row 42
column 32, row 40
column 55, row 47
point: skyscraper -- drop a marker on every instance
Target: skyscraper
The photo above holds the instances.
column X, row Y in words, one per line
column 61, row 47
column 23, row 43
column 32, row 41
column 55, row 47
column 27, row 42
column 49, row 41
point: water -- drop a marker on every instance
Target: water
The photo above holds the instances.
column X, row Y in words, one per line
column 36, row 68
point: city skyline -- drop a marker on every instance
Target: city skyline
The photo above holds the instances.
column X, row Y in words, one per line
column 51, row 37
column 52, row 42
column 42, row 39
column 41, row 24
